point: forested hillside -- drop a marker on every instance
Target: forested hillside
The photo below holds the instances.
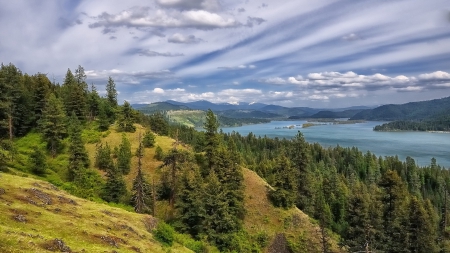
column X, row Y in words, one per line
column 423, row 110
column 220, row 192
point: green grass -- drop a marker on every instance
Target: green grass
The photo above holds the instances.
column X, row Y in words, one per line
column 33, row 213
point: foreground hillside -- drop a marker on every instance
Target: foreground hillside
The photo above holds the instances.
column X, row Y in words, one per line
column 37, row 217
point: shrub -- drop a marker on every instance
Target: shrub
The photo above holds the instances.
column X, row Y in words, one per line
column 164, row 233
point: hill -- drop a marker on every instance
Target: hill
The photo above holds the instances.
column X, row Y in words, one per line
column 159, row 106
column 35, row 216
column 331, row 114
column 410, row 111
column 248, row 114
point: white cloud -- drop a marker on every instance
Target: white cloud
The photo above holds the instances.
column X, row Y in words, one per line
column 191, row 4
column 438, row 75
column 351, row 37
column 151, row 53
column 242, row 66
column 158, row 91
column 133, row 77
column 144, row 17
column 180, row 38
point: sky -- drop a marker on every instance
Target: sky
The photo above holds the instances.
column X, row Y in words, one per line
column 321, row 53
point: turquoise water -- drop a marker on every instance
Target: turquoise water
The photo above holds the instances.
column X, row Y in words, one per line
column 421, row 146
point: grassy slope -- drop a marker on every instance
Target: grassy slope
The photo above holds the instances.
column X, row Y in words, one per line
column 262, row 217
column 33, row 213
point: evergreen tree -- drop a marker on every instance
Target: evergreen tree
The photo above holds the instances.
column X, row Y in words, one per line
column 41, row 92
column 149, row 139
column 126, row 119
column 357, row 234
column 103, row 120
column 93, row 103
column 78, row 157
column 159, row 153
column 124, row 156
column 111, row 93
column 219, row 223
column 142, row 195
column 299, row 154
column 10, row 83
column 52, row 124
column 420, row 231
column 190, row 204
column 211, row 138
column 115, row 188
column 285, row 185
column 38, row 161
column 75, row 97
column 393, row 201
column 103, row 156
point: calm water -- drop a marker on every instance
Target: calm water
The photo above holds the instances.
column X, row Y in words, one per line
column 421, row 146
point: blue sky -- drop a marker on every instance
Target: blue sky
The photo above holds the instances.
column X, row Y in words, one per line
column 332, row 53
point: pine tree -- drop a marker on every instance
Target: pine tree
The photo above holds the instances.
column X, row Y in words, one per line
column 149, row 139
column 299, row 154
column 393, row 201
column 357, row 234
column 124, row 156
column 126, row 119
column 93, row 103
column 219, row 223
column 285, row 184
column 115, row 187
column 111, row 93
column 190, row 204
column 159, row 153
column 103, row 120
column 38, row 161
column 78, row 157
column 212, row 138
column 142, row 195
column 41, row 92
column 52, row 124
column 420, row 231
column 10, row 83
column 75, row 97
column 102, row 156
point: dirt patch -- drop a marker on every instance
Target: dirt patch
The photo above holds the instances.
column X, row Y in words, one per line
column 64, row 200
column 2, row 191
column 279, row 245
column 111, row 240
column 56, row 245
column 38, row 197
column 20, row 218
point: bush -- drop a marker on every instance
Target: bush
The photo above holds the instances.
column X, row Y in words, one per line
column 159, row 154
column 164, row 233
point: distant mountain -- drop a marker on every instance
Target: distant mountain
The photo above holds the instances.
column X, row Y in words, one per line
column 288, row 112
column 411, row 111
column 329, row 115
column 205, row 105
column 248, row 114
column 160, row 106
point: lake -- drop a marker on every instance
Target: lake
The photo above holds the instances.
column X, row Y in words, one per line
column 422, row 146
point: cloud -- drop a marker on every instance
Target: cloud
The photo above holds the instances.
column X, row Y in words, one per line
column 180, row 38
column 251, row 21
column 150, row 53
column 438, row 75
column 240, row 10
column 143, row 17
column 242, row 66
column 351, row 37
column 335, row 84
column 211, row 5
column 112, row 37
column 132, row 77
